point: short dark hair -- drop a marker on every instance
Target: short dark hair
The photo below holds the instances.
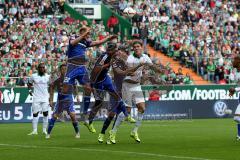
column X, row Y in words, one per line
column 137, row 42
column 111, row 46
column 40, row 64
column 62, row 65
column 83, row 29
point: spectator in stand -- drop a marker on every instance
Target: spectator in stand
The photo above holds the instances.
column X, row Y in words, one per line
column 112, row 23
column 143, row 31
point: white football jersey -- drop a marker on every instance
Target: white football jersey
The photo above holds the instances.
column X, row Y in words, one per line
column 133, row 61
column 40, row 87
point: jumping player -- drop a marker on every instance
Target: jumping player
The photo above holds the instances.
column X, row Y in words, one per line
column 64, row 102
column 76, row 64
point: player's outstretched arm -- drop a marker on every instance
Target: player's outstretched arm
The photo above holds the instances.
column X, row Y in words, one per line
column 109, row 38
column 156, row 68
column 77, row 40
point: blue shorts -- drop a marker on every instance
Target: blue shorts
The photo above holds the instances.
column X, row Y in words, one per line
column 100, row 89
column 64, row 103
column 75, row 72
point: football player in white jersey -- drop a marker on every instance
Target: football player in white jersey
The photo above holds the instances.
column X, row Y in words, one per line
column 39, row 82
column 236, row 64
column 131, row 88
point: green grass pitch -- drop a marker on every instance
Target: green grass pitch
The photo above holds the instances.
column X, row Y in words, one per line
column 211, row 139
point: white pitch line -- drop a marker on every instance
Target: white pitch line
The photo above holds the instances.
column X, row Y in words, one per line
column 101, row 150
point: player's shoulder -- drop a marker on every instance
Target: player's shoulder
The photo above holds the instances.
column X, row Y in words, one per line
column 145, row 56
column 130, row 56
column 34, row 75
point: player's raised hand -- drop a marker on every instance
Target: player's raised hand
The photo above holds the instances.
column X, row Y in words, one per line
column 231, row 91
column 111, row 37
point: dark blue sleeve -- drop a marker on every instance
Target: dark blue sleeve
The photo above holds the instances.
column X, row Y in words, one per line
column 88, row 43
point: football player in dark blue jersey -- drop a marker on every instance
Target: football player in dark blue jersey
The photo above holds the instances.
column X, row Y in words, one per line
column 64, row 102
column 76, row 64
column 101, row 83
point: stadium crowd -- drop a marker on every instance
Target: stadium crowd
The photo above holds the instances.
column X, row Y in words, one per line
column 203, row 34
column 36, row 31
column 172, row 27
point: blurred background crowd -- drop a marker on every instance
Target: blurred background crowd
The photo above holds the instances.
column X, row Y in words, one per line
column 202, row 35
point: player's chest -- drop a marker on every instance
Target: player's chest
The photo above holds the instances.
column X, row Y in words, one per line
column 41, row 80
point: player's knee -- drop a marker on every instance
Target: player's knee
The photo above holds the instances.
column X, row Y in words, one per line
column 55, row 116
column 35, row 114
column 236, row 119
column 128, row 109
column 141, row 109
column 111, row 115
column 45, row 114
column 87, row 90
column 64, row 88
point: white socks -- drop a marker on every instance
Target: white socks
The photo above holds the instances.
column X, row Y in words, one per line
column 35, row 123
column 237, row 119
column 45, row 123
column 138, row 122
column 118, row 122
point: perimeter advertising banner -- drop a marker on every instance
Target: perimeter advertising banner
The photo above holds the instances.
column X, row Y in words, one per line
column 177, row 102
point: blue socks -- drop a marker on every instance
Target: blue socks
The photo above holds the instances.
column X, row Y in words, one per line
column 50, row 125
column 75, row 126
column 122, row 108
column 86, row 101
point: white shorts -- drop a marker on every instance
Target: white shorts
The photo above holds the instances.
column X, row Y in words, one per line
column 132, row 93
column 238, row 109
column 40, row 107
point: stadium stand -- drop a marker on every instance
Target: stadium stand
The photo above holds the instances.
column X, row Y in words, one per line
column 203, row 35
column 190, row 32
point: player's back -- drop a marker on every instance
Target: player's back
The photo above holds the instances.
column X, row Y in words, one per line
column 118, row 63
column 76, row 53
column 97, row 73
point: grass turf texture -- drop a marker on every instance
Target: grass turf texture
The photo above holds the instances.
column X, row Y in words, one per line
column 164, row 140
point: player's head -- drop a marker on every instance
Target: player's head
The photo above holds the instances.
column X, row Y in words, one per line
column 137, row 47
column 236, row 63
column 111, row 48
column 83, row 30
column 41, row 69
column 63, row 69
column 123, row 51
